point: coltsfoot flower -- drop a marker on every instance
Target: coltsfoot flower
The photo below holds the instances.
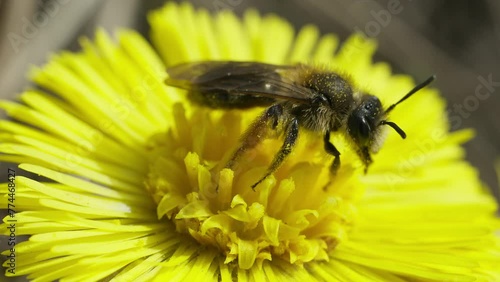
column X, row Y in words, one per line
column 134, row 188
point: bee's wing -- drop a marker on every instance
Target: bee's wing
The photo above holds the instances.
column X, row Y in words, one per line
column 239, row 78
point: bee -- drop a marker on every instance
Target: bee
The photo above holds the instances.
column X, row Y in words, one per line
column 297, row 97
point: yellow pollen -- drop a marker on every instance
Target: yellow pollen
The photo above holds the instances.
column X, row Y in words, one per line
column 289, row 216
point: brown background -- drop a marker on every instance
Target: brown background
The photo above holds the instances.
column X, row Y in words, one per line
column 457, row 40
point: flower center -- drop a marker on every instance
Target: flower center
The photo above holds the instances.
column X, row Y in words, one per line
column 289, row 215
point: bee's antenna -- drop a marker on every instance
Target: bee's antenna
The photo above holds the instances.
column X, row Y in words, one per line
column 413, row 91
column 395, row 127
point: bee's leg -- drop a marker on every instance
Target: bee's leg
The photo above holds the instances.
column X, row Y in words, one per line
column 330, row 149
column 256, row 132
column 291, row 134
column 366, row 158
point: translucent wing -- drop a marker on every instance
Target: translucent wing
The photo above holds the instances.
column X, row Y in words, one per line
column 240, row 79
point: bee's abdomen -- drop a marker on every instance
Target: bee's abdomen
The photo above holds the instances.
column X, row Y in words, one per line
column 221, row 99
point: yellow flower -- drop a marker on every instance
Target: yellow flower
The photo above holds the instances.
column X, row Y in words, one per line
column 130, row 171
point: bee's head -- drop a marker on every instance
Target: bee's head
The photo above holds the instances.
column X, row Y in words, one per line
column 363, row 126
column 365, row 121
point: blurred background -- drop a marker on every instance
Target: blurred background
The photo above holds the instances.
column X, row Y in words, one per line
column 459, row 41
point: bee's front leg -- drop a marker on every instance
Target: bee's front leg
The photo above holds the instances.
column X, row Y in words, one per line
column 364, row 154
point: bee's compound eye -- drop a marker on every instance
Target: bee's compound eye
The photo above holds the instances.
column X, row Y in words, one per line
column 359, row 129
column 364, row 129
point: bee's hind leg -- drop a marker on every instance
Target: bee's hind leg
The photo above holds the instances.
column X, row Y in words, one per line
column 257, row 132
column 291, row 135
